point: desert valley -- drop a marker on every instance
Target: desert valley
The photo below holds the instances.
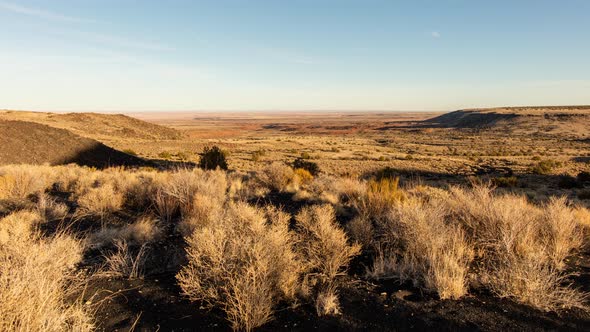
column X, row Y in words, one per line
column 473, row 219
column 309, row 165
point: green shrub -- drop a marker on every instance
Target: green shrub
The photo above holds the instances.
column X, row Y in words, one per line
column 309, row 166
column 212, row 158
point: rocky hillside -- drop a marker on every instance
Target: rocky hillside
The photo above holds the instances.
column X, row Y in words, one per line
column 97, row 126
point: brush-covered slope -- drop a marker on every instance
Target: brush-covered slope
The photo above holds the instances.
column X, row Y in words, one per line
column 97, row 126
column 562, row 120
column 33, row 143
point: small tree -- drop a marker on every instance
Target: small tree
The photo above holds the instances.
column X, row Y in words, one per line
column 213, row 157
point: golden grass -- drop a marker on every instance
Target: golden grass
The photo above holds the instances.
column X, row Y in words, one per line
column 18, row 182
column 522, row 247
column 144, row 230
column 36, row 277
column 245, row 259
column 102, row 201
column 243, row 262
column 327, row 303
column 276, row 176
column 324, row 245
column 124, row 262
column 516, row 249
column 417, row 245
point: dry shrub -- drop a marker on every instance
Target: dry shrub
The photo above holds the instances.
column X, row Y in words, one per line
column 582, row 216
column 204, row 210
column 36, row 277
column 323, row 244
column 165, row 205
column 563, row 230
column 245, row 188
column 242, row 262
column 434, row 238
column 66, row 177
column 100, row 201
column 382, row 194
column 417, row 245
column 302, row 176
column 176, row 192
column 348, row 189
column 277, row 176
column 124, row 262
column 18, row 225
column 20, row 181
column 327, row 303
column 361, row 229
column 50, row 209
column 522, row 248
column 140, row 190
column 142, row 231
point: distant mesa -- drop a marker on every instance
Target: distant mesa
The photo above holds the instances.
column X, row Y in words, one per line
column 24, row 142
column 561, row 120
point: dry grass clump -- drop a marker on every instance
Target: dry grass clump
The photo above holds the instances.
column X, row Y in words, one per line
column 418, row 245
column 582, row 216
column 324, row 245
column 36, row 277
column 143, row 230
column 175, row 192
column 20, row 181
column 333, row 190
column 327, row 303
column 382, row 194
column 521, row 247
column 243, row 262
column 277, row 176
column 100, row 201
column 434, row 239
column 50, row 209
column 204, row 210
column 302, row 176
column 124, row 262
column 18, row 225
column 324, row 248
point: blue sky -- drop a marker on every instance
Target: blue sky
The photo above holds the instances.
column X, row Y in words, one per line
column 123, row 55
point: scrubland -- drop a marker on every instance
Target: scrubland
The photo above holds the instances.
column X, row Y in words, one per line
column 250, row 246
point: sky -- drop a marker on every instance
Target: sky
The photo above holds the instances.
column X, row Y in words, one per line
column 330, row 55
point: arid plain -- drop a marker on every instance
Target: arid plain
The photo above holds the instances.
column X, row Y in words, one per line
column 474, row 219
